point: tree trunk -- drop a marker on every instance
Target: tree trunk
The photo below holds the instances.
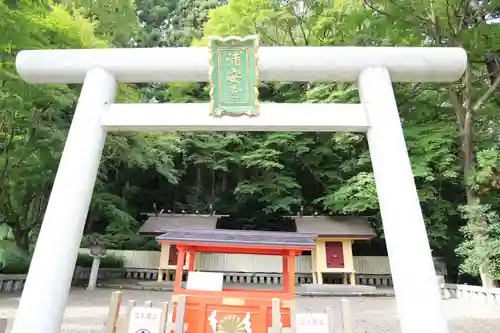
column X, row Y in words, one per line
column 199, row 177
column 224, row 183
column 464, row 115
column 214, row 181
column 240, row 175
column 22, row 238
column 90, row 222
column 486, row 280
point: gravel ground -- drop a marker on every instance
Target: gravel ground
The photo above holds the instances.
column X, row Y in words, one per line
column 86, row 311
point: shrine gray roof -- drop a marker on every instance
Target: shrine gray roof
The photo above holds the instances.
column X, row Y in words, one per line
column 335, row 226
column 323, row 226
column 276, row 239
column 158, row 224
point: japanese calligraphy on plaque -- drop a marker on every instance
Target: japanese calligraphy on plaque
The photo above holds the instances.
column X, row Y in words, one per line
column 144, row 320
column 233, row 76
column 313, row 323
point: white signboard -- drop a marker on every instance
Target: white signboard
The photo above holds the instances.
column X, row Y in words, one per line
column 206, row 281
column 312, row 323
column 144, row 320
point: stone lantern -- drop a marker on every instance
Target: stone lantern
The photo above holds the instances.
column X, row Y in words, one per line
column 96, row 251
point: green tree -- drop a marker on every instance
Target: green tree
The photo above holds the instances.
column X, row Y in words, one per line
column 35, row 120
column 481, row 248
column 172, row 22
column 473, row 99
column 113, row 20
column 339, row 163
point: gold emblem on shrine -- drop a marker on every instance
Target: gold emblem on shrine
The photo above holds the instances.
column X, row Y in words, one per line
column 231, row 324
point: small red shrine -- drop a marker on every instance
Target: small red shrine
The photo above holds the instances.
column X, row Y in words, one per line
column 210, row 306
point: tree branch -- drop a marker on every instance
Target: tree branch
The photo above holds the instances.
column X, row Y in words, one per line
column 381, row 12
column 264, row 34
column 487, row 94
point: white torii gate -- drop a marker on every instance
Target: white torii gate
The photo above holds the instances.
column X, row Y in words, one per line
column 374, row 68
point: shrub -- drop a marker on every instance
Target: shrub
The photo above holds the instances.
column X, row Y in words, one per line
column 121, row 242
column 131, row 242
column 112, row 261
column 14, row 261
column 84, row 260
column 109, row 261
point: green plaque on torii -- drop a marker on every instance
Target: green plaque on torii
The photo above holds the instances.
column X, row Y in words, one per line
column 234, row 76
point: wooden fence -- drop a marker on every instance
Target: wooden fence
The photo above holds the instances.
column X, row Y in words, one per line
column 143, row 265
column 364, row 265
column 121, row 323
column 82, row 275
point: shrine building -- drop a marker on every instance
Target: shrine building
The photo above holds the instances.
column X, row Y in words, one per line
column 332, row 254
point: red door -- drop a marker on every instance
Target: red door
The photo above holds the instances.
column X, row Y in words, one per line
column 334, row 255
column 172, row 255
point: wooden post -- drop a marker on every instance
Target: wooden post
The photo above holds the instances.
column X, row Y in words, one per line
column 114, row 312
column 286, row 273
column 276, row 316
column 130, row 306
column 160, row 275
column 3, row 325
column 167, row 254
column 164, row 262
column 319, row 276
column 331, row 320
column 314, row 265
column 345, row 307
column 293, row 319
column 179, row 313
column 291, row 272
column 164, row 317
column 180, row 269
column 319, row 260
column 192, row 257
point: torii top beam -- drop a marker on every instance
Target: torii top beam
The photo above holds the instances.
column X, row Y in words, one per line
column 296, row 64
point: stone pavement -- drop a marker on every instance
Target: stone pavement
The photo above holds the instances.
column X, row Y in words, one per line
column 86, row 311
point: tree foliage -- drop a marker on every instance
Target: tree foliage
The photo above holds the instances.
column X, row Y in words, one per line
column 481, row 247
column 36, row 118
